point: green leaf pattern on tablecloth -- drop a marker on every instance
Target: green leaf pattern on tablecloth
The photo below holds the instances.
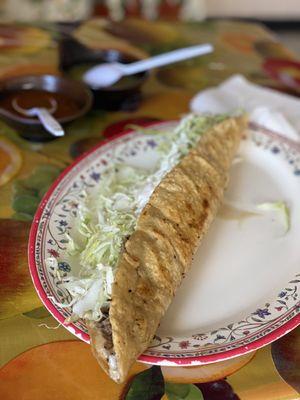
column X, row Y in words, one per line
column 177, row 391
column 29, row 192
column 147, row 385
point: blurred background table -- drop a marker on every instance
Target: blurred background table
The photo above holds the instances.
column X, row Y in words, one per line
column 43, row 363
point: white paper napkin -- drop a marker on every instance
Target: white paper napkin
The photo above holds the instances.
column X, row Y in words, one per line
column 276, row 111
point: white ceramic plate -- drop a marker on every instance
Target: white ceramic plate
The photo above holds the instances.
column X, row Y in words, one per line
column 243, row 289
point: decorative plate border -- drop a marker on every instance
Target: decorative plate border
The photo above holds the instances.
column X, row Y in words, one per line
column 264, row 325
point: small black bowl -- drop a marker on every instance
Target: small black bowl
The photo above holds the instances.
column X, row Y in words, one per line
column 31, row 129
column 124, row 95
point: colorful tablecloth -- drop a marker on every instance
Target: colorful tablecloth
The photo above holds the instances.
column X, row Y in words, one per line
column 40, row 359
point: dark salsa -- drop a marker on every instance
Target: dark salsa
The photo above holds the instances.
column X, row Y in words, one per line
column 29, row 98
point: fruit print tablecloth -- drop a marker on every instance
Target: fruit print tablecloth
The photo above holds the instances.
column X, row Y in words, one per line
column 40, row 359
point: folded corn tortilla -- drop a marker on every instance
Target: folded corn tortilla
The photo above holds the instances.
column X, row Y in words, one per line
column 159, row 253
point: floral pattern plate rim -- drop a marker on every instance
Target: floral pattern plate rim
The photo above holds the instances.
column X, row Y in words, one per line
column 266, row 323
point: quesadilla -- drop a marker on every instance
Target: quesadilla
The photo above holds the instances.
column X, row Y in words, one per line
column 140, row 237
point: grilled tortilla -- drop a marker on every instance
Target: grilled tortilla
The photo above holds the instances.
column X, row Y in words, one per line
column 159, row 253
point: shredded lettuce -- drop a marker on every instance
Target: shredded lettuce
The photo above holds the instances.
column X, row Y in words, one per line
column 281, row 209
column 108, row 217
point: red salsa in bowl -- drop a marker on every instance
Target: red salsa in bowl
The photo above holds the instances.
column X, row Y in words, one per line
column 72, row 100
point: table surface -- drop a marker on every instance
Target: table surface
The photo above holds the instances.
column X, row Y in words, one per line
column 40, row 359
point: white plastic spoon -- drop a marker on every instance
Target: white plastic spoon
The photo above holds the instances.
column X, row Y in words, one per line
column 109, row 73
column 44, row 116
